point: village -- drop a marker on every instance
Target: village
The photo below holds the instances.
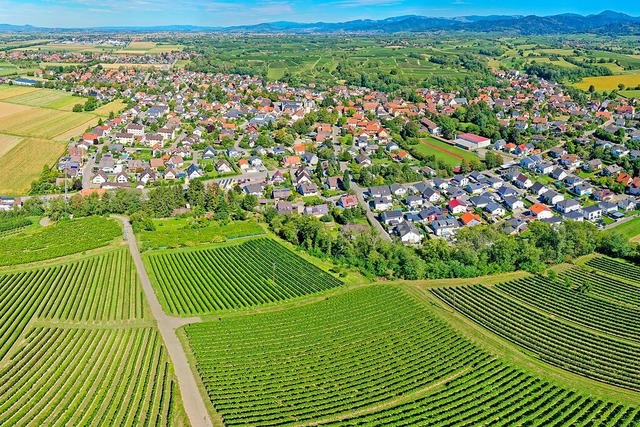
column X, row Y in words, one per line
column 306, row 150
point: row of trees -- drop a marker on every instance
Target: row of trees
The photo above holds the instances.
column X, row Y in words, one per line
column 478, row 251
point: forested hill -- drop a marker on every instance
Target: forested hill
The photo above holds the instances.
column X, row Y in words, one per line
column 607, row 23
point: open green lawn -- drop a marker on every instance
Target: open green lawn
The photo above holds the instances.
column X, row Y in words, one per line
column 629, row 229
column 180, row 232
column 448, row 153
column 630, row 94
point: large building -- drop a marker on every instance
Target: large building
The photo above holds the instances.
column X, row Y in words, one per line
column 471, row 142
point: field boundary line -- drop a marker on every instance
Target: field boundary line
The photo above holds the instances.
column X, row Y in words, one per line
column 192, row 399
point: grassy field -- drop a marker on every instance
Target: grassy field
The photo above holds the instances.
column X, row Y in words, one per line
column 47, row 243
column 609, row 82
column 448, row 153
column 45, row 98
column 175, row 233
column 629, row 229
column 630, row 94
column 79, row 347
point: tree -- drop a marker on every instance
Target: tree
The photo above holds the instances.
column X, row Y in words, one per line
column 346, row 180
column 249, row 202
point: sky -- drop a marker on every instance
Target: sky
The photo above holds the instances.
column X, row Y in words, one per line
column 92, row 13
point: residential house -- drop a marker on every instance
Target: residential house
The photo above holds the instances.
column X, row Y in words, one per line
column 457, row 207
column 445, row 227
column 540, row 211
column 592, row 213
column 568, row 205
column 348, row 202
column 392, row 217
column 308, row 189
column 223, row 166
column 409, row 233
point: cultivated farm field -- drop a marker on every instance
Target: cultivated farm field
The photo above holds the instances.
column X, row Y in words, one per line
column 233, row 276
column 64, row 238
column 35, row 127
column 609, row 82
column 579, row 322
column 374, row 356
column 18, row 166
column 78, row 348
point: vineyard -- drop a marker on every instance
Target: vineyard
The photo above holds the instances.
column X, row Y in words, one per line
column 605, row 287
column 77, row 347
column 497, row 395
column 597, row 356
column 374, row 356
column 258, row 271
column 13, row 225
column 64, row 376
column 572, row 304
column 103, row 288
column 617, row 268
column 64, row 238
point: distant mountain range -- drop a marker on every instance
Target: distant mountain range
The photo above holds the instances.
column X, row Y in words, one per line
column 607, row 22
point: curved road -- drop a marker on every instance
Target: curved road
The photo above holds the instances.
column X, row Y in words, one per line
column 193, row 403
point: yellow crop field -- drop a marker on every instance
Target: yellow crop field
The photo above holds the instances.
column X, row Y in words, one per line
column 35, row 126
column 609, row 82
column 42, row 123
column 112, row 107
column 7, row 142
column 76, row 131
column 11, row 109
column 19, row 167
column 7, row 91
column 140, row 45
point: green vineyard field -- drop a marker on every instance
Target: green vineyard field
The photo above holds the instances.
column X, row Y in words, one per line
column 64, row 238
column 374, row 356
column 101, row 288
column 78, row 347
column 86, row 377
column 561, row 337
column 258, row 271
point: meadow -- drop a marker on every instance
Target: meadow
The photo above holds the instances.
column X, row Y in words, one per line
column 176, row 233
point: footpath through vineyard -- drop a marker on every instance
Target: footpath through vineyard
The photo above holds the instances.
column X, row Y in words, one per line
column 193, row 403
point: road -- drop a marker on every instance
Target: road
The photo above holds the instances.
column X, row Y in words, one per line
column 192, row 399
column 87, row 172
column 370, row 216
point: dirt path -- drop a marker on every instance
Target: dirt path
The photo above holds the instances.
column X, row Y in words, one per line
column 45, row 222
column 193, row 403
